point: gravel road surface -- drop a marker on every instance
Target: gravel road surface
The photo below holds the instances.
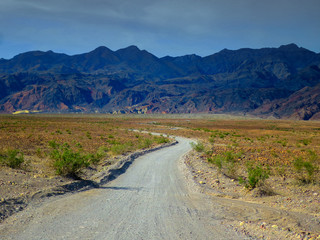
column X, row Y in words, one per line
column 152, row 200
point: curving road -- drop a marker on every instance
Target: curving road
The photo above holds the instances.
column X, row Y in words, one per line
column 151, row 200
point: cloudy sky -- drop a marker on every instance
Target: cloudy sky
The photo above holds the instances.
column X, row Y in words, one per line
column 162, row 27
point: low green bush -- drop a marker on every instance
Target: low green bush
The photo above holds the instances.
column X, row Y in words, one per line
column 161, row 139
column 145, row 143
column 88, row 135
column 199, row 147
column 119, row 149
column 313, row 157
column 102, row 152
column 305, row 142
column 226, row 163
column 12, row 158
column 256, row 176
column 304, row 170
column 68, row 162
column 217, row 160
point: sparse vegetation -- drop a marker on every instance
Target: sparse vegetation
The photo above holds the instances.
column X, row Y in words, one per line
column 199, row 147
column 228, row 144
column 227, row 163
column 89, row 139
column 305, row 170
column 118, row 149
column 305, row 142
column 12, row 158
column 161, row 139
column 68, row 162
column 146, row 143
column 256, row 176
column 271, row 148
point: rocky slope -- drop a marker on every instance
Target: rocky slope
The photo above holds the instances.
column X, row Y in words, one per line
column 281, row 82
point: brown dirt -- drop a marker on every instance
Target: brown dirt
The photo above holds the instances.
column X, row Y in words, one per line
column 280, row 210
column 19, row 187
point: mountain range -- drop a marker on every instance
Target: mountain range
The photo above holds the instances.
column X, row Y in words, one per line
column 279, row 82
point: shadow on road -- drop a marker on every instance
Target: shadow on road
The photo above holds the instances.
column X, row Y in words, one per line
column 122, row 188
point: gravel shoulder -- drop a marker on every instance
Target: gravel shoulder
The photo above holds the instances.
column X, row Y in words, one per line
column 289, row 212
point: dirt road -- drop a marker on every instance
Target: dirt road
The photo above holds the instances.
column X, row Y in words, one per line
column 152, row 200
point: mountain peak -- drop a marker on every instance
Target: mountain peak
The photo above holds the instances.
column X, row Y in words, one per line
column 291, row 46
column 132, row 47
column 129, row 50
column 133, row 53
column 101, row 49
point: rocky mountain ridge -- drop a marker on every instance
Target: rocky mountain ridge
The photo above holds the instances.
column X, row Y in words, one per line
column 264, row 82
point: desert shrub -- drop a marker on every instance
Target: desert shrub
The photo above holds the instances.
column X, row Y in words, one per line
column 137, row 136
column 230, row 162
column 119, row 148
column 211, row 139
column 68, row 131
column 94, row 158
column 12, row 158
column 226, row 163
column 68, row 162
column 199, row 147
column 146, row 143
column 313, row 157
column 78, row 145
column 305, row 141
column 53, row 144
column 102, row 152
column 39, row 153
column 161, row 140
column 88, row 135
column 217, row 160
column 304, row 170
column 283, row 142
column 59, row 132
column 256, row 176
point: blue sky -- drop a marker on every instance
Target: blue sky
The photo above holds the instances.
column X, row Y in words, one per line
column 162, row 27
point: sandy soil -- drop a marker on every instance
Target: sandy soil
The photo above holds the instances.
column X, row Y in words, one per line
column 281, row 210
column 19, row 187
